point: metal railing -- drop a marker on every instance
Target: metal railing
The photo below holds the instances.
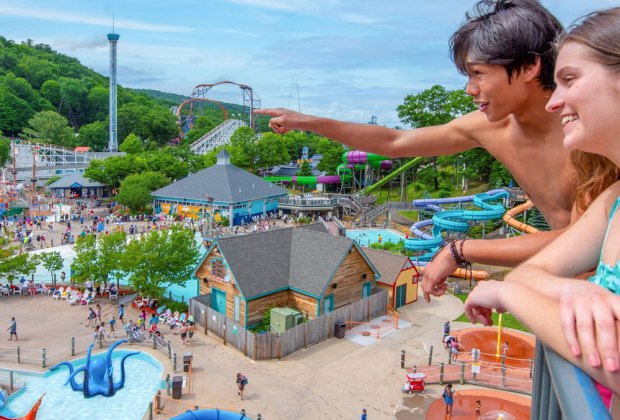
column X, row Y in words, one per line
column 563, row 391
column 308, row 202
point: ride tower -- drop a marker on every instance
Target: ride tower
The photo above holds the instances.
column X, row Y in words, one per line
column 113, row 142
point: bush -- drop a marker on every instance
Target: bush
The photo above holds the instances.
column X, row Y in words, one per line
column 174, row 305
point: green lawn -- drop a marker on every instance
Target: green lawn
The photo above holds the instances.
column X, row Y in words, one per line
column 508, row 320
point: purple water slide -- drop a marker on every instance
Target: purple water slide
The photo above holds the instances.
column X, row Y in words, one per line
column 328, row 179
column 357, row 156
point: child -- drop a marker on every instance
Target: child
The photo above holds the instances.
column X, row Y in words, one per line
column 112, row 325
column 478, row 404
column 121, row 312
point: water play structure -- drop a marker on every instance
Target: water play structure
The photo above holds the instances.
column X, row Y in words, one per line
column 98, row 373
column 452, row 220
column 211, row 414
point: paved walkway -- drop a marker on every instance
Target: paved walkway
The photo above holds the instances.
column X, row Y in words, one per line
column 332, row 380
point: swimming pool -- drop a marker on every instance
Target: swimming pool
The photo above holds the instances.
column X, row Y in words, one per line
column 365, row 237
column 143, row 379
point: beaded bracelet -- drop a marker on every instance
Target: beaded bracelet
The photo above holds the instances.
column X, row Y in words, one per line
column 456, row 256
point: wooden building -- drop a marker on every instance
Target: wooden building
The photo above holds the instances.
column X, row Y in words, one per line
column 301, row 268
column 399, row 276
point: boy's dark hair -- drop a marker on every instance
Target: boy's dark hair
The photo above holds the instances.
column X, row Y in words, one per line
column 508, row 33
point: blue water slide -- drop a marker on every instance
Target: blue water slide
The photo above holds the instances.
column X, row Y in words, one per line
column 211, row 414
column 453, row 220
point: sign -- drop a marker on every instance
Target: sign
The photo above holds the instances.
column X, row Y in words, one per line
column 475, row 367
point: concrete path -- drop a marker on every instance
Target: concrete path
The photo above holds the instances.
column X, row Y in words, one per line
column 335, row 379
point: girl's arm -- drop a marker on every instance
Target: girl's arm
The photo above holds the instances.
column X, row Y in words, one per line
column 540, row 314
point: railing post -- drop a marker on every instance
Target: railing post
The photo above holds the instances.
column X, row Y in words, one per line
column 11, row 381
column 441, row 366
column 503, row 371
column 154, row 342
column 43, row 359
column 174, row 362
column 151, row 410
column 168, row 384
column 72, row 346
column 169, row 350
column 402, row 359
column 18, row 356
column 462, row 373
column 430, row 356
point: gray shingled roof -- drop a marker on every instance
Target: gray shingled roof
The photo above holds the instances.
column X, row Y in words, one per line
column 68, row 180
column 388, row 264
column 224, row 182
column 284, row 258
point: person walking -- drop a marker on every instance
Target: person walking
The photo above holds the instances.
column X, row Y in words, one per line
column 121, row 312
column 242, row 381
column 448, row 398
column 364, row 416
column 13, row 330
column 112, row 327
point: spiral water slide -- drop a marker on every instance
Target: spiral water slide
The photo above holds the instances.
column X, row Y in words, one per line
column 452, row 220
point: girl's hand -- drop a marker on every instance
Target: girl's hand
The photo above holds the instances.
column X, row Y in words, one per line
column 588, row 315
column 485, row 297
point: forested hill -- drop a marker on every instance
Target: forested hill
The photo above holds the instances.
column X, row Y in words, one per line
column 42, row 89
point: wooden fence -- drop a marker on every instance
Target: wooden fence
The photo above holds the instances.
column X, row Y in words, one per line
column 276, row 346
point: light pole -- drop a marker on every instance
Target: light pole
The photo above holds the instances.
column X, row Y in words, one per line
column 210, row 219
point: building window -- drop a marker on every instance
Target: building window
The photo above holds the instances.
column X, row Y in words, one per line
column 217, row 269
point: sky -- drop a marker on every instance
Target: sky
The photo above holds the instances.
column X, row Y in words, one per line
column 343, row 59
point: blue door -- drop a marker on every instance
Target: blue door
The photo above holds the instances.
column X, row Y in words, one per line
column 328, row 304
column 366, row 288
column 401, row 295
column 218, row 301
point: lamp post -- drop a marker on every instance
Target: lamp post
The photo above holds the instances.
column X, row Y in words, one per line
column 210, row 219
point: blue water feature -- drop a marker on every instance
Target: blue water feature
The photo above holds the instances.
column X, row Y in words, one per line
column 142, row 382
column 365, row 237
column 211, row 414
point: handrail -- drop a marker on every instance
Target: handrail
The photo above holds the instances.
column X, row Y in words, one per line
column 562, row 390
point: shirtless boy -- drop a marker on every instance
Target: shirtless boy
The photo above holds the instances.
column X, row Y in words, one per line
column 505, row 50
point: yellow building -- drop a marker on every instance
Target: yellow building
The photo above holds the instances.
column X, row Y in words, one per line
column 399, row 276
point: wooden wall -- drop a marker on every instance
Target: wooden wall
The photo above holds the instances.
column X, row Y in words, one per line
column 230, row 288
column 348, row 280
column 284, row 299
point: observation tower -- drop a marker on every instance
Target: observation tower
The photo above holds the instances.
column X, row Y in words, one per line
column 113, row 142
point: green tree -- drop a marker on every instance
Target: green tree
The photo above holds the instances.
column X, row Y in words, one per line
column 14, row 113
column 74, row 93
column 132, row 145
column 135, row 191
column 161, row 258
column 5, row 150
column 52, row 262
column 84, row 265
column 112, row 171
column 98, row 103
column 51, row 91
column 434, row 106
column 332, row 155
column 271, row 151
column 167, row 164
column 160, row 126
column 50, row 127
column 242, row 148
column 304, row 169
column 94, row 135
column 110, row 250
column 13, row 266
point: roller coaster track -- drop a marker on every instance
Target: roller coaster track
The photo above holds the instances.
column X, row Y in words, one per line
column 219, row 136
column 48, row 161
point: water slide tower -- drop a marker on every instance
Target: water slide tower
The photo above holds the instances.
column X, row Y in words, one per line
column 113, row 142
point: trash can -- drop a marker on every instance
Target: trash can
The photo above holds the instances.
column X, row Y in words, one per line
column 341, row 328
column 177, row 387
column 187, row 361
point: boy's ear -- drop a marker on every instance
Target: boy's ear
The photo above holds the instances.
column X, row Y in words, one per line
column 531, row 71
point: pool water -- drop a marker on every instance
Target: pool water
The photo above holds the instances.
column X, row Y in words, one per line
column 365, row 237
column 142, row 380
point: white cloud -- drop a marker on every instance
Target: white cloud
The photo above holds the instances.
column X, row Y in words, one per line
column 64, row 16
